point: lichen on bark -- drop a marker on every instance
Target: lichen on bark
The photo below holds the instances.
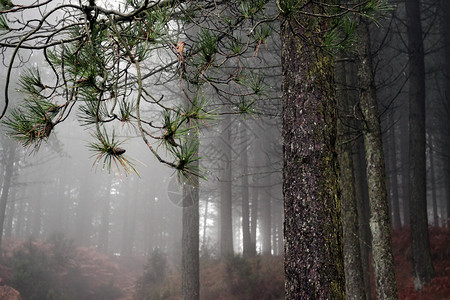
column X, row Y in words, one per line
column 313, row 237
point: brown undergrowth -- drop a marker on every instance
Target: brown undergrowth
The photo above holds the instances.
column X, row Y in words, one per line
column 59, row 270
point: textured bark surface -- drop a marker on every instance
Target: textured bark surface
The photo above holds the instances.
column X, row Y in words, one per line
column 380, row 226
column 313, row 237
column 354, row 277
column 422, row 266
column 360, row 180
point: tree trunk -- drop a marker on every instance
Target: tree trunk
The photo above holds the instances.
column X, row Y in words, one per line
column 129, row 219
column 266, row 217
column 396, row 223
column 103, row 233
column 6, row 185
column 83, row 213
column 445, row 6
column 361, row 189
column 37, row 212
column 226, row 223
column 422, row 266
column 362, row 204
column 246, row 241
column 354, row 278
column 10, row 215
column 254, row 218
column 404, row 149
column 190, row 240
column 433, row 183
column 312, row 207
column 383, row 260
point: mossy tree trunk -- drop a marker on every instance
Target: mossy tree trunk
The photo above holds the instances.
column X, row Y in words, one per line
column 354, row 277
column 380, row 226
column 422, row 265
column 312, row 228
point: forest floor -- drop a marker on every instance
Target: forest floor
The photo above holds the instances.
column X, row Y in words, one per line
column 58, row 270
column 439, row 287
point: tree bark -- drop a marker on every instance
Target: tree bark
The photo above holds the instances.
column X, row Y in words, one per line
column 383, row 260
column 312, row 207
column 361, row 189
column 422, row 265
column 354, row 278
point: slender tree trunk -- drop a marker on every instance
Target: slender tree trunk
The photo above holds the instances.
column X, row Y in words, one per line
column 362, row 204
column 445, row 6
column 396, row 223
column 226, row 222
column 361, row 189
column 129, row 220
column 313, row 237
column 422, row 266
column 433, row 182
column 205, row 224
column 6, row 186
column 266, row 217
column 103, row 233
column 83, row 213
column 37, row 212
column 10, row 215
column 246, row 241
column 383, row 259
column 404, row 149
column 18, row 228
column 190, row 240
column 354, row 278
column 254, row 218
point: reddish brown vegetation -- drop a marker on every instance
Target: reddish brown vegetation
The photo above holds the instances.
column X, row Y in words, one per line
column 439, row 287
column 259, row 278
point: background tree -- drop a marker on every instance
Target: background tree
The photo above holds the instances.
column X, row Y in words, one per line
column 422, row 264
column 383, row 260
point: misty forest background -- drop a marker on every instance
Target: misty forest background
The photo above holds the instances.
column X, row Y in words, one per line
column 70, row 224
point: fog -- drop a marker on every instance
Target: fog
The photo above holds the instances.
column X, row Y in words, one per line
column 120, row 127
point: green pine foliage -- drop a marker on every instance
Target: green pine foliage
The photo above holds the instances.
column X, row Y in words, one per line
column 111, row 68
